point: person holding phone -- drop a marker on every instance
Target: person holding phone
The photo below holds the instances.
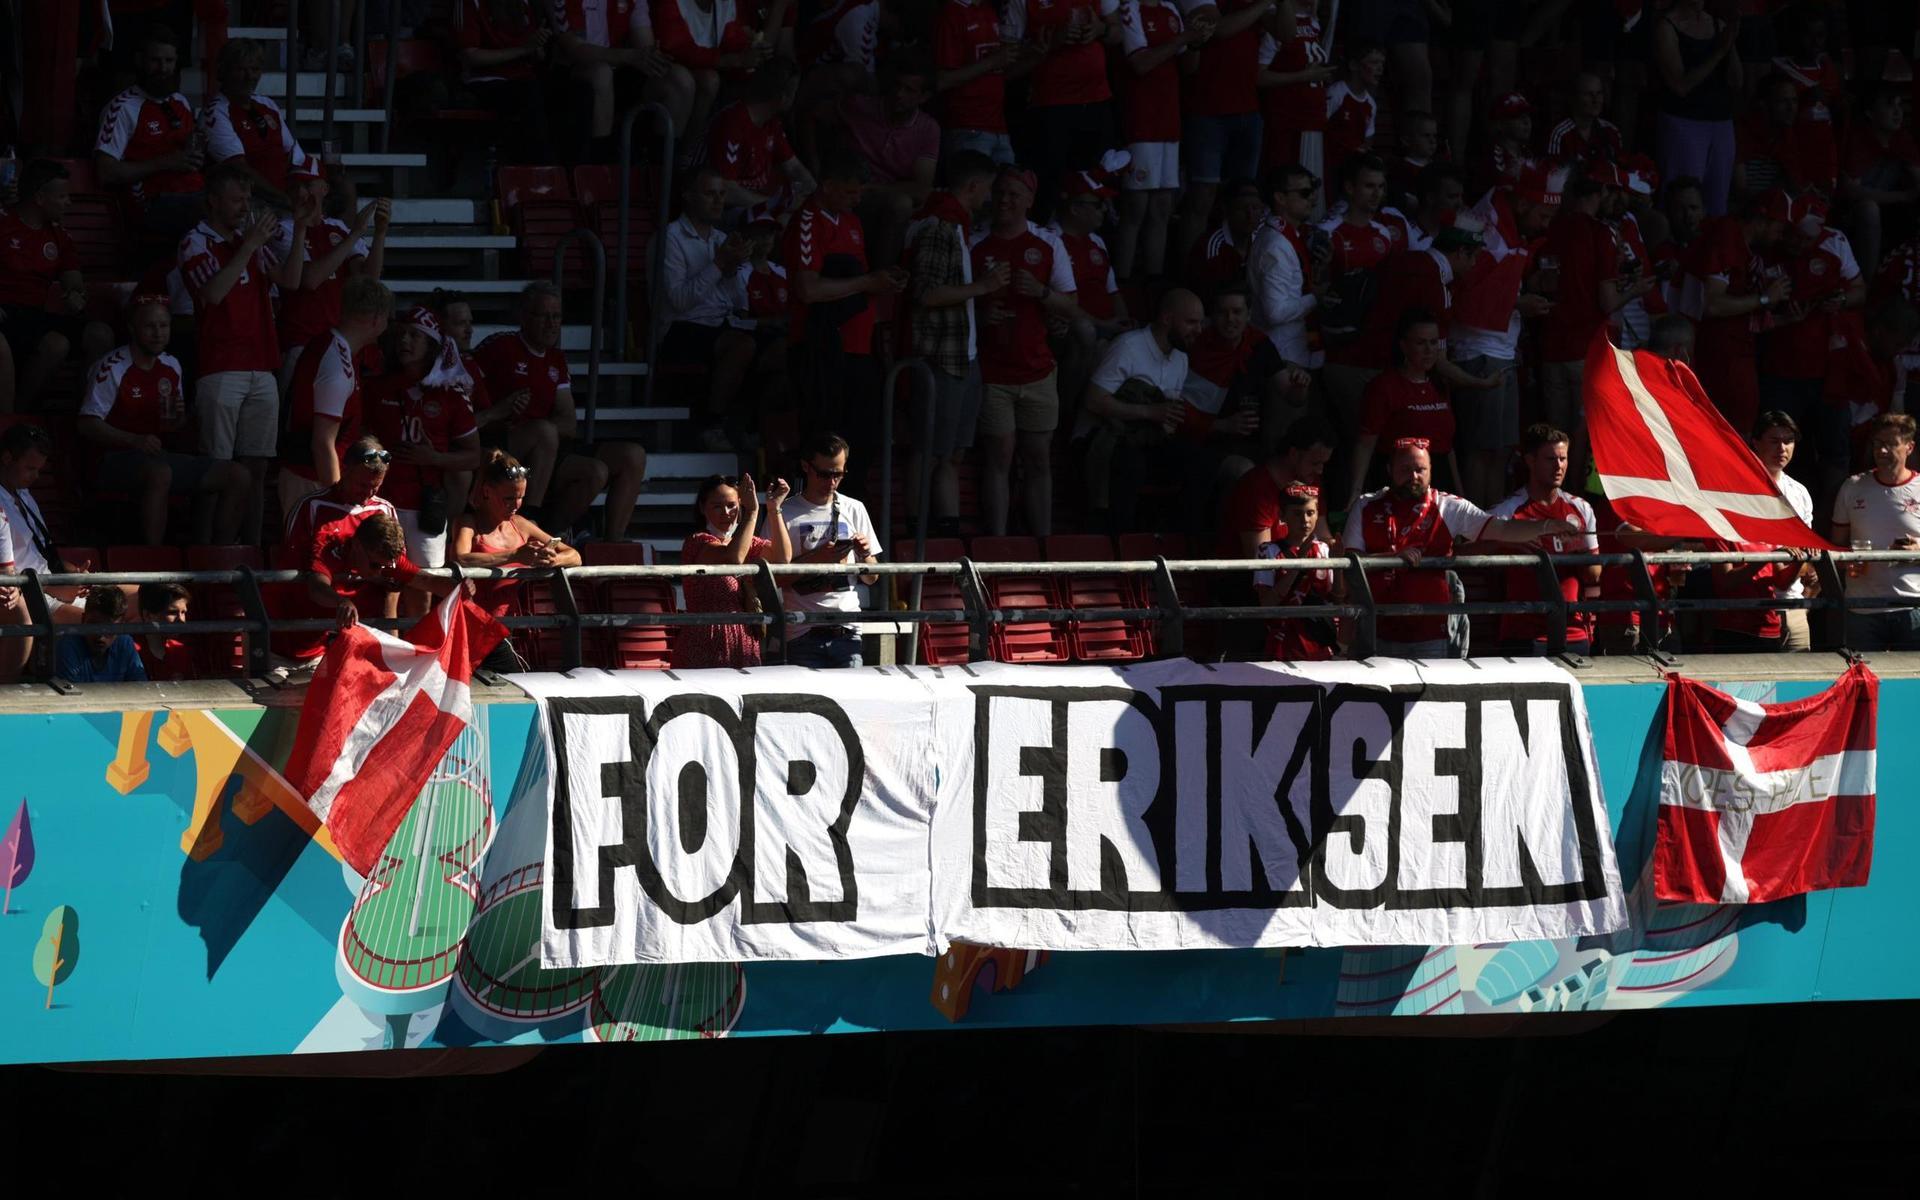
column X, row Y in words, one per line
column 827, row 527
column 1880, row 510
column 729, row 512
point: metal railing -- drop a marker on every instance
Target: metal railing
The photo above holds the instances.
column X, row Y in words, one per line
column 925, row 374
column 599, row 307
column 392, row 74
column 976, row 611
column 624, row 238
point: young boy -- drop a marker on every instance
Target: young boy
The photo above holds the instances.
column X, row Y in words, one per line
column 1302, row 639
column 100, row 657
column 165, row 659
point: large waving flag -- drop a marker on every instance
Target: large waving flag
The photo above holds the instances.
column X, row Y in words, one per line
column 1763, row 801
column 379, row 714
column 1669, row 461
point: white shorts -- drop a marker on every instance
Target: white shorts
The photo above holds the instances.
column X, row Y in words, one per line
column 422, row 550
column 1155, row 166
column 239, row 414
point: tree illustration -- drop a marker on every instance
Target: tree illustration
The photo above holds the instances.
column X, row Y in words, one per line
column 57, row 952
column 16, row 850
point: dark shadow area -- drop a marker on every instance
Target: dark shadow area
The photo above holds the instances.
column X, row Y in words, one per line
column 1796, row 1095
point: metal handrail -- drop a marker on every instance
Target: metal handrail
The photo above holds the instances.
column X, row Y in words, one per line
column 292, row 57
column 327, row 151
column 977, row 612
column 392, row 71
column 599, row 306
column 887, row 401
column 624, row 238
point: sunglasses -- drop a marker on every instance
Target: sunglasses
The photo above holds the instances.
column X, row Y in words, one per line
column 1305, row 193
column 823, row 473
column 515, row 472
column 368, row 458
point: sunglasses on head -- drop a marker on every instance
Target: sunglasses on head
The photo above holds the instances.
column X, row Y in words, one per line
column 370, row 458
column 514, row 472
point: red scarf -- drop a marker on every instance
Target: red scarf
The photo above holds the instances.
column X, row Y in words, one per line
column 945, row 206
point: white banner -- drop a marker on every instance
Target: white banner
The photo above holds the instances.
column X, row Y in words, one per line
column 786, row 813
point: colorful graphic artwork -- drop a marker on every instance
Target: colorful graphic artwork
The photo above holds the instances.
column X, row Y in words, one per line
column 170, row 899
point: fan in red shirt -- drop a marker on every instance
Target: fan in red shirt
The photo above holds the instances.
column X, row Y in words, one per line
column 971, row 60
column 1722, row 263
column 1220, row 113
column 1879, row 167
column 533, row 412
column 1359, row 244
column 1294, row 72
column 167, row 660
column 1221, row 256
column 1584, row 135
column 147, row 143
column 325, row 402
column 1773, row 148
column 1421, row 279
column 353, row 566
column 1253, row 513
column 747, row 145
column 1233, row 369
column 1509, row 137
column 1068, row 98
column 1797, row 357
column 423, row 413
column 246, row 128
column 1405, row 402
column 135, row 418
column 503, row 50
column 1352, row 106
column 336, row 252
column 1412, row 520
column 42, row 296
column 1544, row 450
column 1083, row 211
column 1310, row 639
column 1154, row 39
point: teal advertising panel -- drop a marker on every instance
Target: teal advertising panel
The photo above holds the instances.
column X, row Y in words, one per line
column 168, row 898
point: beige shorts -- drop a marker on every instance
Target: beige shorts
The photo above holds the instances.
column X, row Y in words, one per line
column 1022, row 407
column 239, row 414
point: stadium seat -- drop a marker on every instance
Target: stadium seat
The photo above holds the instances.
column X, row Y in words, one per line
column 632, row 647
column 145, row 558
column 538, row 206
column 1192, row 589
column 1109, row 640
column 221, row 654
column 81, row 558
column 597, row 188
column 942, row 643
column 1021, row 641
column 95, row 224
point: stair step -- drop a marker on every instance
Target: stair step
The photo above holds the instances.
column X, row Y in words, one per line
column 194, row 82
column 341, row 116
column 352, row 159
column 613, row 369
column 610, row 412
column 436, row 211
column 450, row 241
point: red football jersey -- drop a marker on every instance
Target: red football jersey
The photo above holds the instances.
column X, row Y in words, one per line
column 137, row 128
column 1565, row 142
column 1151, row 109
column 329, row 559
column 173, row 663
column 326, row 383
column 299, row 538
column 237, row 333
column 1800, row 349
column 1015, row 350
column 696, row 38
column 1350, row 123
column 768, row 296
column 966, row 31
column 479, row 29
column 1068, row 74
column 510, row 365
column 748, row 154
column 255, row 130
column 1524, row 584
column 149, row 401
column 1720, row 251
column 1588, row 254
column 402, row 413
column 1388, row 524
column 1396, row 407
column 1292, row 108
column 32, row 260
column 1252, row 506
column 1093, row 280
column 814, row 236
column 306, row 313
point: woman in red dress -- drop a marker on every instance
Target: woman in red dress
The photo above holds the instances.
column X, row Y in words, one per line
column 492, row 533
column 730, row 510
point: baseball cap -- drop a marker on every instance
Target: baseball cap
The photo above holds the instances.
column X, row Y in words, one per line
column 1775, row 205
column 1541, row 184
column 1513, row 104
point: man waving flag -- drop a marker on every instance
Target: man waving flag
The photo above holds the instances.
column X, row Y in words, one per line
column 1671, row 464
column 379, row 714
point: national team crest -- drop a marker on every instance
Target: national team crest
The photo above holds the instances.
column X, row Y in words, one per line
column 1032, row 256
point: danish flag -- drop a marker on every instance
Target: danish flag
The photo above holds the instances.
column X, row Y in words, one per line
column 1669, row 461
column 1764, row 801
column 379, row 714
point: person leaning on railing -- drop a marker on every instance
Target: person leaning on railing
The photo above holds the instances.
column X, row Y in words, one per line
column 492, row 533
column 729, row 509
column 1880, row 510
column 1299, row 639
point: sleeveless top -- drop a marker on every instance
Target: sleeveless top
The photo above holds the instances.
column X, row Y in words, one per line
column 1712, row 98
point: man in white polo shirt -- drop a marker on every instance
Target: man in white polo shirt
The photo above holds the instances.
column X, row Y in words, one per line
column 705, row 271
column 1133, row 405
column 1880, row 510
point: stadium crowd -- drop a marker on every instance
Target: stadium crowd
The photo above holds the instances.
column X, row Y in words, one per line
column 1273, row 278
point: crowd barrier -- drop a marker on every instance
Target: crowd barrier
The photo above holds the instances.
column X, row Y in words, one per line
column 1156, row 592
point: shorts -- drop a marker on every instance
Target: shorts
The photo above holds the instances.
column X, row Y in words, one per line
column 956, row 411
column 1487, row 420
column 1390, row 23
column 1155, row 166
column 1560, row 400
column 1021, row 407
column 1225, row 147
column 189, row 470
column 996, row 146
column 26, row 327
column 424, row 551
column 238, row 413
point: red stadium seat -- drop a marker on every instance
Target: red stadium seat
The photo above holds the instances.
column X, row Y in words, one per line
column 81, row 558
column 1109, row 640
column 221, row 654
column 1192, row 589
column 95, row 224
column 942, row 643
column 146, row 558
column 1021, row 641
column 633, row 647
column 597, row 188
column 538, row 206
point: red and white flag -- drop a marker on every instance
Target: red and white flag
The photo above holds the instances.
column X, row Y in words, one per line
column 379, row 714
column 1762, row 801
column 1669, row 461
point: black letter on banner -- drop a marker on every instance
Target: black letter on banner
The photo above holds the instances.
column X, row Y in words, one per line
column 607, row 859
column 1359, row 813
column 694, row 786
column 797, row 777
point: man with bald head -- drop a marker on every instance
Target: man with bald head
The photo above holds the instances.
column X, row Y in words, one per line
column 1412, row 520
column 1133, row 405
